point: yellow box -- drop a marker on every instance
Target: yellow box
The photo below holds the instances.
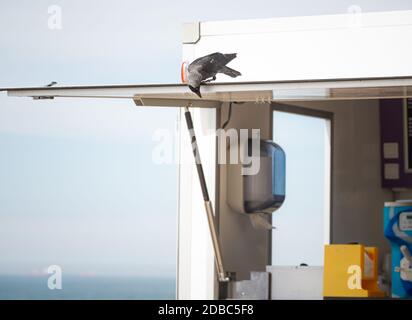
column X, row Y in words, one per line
column 351, row 270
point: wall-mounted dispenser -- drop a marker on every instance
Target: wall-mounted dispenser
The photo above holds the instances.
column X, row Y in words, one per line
column 261, row 190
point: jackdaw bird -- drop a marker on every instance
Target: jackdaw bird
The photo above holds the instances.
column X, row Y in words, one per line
column 204, row 69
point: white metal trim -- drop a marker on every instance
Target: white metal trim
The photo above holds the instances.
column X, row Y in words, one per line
column 132, row 91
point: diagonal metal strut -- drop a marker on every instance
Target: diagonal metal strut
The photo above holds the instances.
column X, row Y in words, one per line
column 222, row 275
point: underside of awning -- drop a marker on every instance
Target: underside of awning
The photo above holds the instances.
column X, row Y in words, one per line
column 217, row 93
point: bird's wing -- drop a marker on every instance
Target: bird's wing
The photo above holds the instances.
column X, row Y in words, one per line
column 210, row 58
column 209, row 64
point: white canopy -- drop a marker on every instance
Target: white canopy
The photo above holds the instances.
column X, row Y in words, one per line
column 217, row 93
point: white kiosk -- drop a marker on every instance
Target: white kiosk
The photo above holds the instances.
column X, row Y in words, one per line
column 340, row 64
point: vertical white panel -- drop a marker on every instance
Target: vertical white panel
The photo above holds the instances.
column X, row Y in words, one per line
column 327, row 182
column 196, row 277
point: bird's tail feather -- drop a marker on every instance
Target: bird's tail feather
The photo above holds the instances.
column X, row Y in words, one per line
column 230, row 72
column 230, row 56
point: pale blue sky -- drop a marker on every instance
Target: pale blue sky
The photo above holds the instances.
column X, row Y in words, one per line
column 77, row 184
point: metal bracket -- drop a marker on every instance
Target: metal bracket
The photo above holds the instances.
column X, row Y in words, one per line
column 257, row 288
column 43, row 98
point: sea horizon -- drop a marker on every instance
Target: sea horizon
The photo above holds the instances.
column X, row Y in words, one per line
column 87, row 287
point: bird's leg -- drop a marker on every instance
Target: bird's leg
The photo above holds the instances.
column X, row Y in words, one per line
column 209, row 80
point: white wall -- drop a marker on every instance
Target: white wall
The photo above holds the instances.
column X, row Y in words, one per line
column 315, row 47
column 357, row 196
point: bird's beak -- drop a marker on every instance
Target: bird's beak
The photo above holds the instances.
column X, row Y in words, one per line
column 196, row 90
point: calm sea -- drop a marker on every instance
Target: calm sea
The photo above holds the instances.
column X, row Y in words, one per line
column 86, row 288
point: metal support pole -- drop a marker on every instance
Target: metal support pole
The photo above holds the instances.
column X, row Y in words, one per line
column 222, row 275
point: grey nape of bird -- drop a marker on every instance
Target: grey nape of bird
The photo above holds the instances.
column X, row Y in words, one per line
column 51, row 84
column 204, row 69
